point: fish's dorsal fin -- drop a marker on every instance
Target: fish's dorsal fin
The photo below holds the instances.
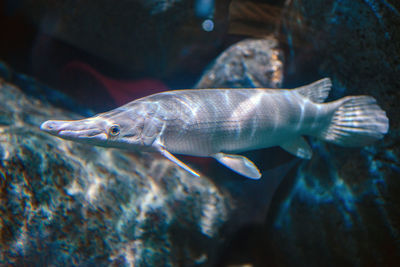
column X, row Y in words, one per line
column 239, row 164
column 172, row 158
column 317, row 91
column 298, row 147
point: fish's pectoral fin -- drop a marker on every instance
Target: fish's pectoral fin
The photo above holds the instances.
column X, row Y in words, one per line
column 298, row 147
column 172, row 158
column 239, row 164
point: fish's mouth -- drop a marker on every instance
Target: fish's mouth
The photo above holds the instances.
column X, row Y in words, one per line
column 81, row 134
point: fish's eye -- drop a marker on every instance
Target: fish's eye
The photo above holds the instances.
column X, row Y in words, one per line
column 114, row 130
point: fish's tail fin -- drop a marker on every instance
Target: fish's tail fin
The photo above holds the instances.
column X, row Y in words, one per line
column 356, row 121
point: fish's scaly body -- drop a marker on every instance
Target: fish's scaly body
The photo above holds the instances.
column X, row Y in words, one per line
column 219, row 123
column 204, row 122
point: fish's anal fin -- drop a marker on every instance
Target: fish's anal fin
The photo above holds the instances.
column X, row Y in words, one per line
column 298, row 147
column 239, row 164
column 172, row 158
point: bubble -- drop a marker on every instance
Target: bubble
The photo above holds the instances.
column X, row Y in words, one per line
column 208, row 25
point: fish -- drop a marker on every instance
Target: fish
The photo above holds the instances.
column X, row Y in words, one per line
column 221, row 123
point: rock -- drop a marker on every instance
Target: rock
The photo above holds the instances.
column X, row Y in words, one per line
column 64, row 203
column 84, row 205
column 246, row 64
column 342, row 207
column 76, row 205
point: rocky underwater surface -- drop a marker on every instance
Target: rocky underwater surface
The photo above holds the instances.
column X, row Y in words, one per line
column 64, row 203
column 67, row 204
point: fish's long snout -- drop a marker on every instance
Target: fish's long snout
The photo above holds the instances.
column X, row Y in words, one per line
column 74, row 130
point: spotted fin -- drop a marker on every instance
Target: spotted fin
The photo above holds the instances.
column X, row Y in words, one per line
column 298, row 147
column 172, row 158
column 317, row 91
column 239, row 164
